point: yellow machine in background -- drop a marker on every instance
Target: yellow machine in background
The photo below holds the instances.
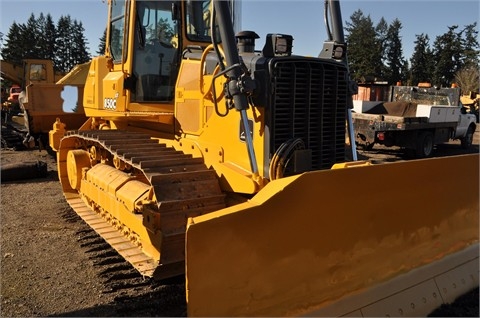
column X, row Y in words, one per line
column 186, row 127
column 471, row 101
column 40, row 101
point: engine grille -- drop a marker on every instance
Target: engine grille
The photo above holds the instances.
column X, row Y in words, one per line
column 310, row 102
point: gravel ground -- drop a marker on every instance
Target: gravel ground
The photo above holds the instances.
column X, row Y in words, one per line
column 52, row 264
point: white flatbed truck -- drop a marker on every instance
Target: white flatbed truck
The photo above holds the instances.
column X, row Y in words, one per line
column 414, row 126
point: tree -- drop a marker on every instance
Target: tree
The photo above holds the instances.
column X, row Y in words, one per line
column 447, row 52
column 406, row 73
column 46, row 37
column 470, row 46
column 30, row 35
column 382, row 29
column 103, row 43
column 422, row 61
column 468, row 79
column 79, row 45
column 12, row 50
column 394, row 53
column 63, row 44
column 365, row 51
column 70, row 45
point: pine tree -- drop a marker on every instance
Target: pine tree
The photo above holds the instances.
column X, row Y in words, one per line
column 364, row 48
column 447, row 53
column 422, row 61
column 470, row 46
column 103, row 43
column 406, row 73
column 40, row 43
column 394, row 53
column 46, row 37
column 79, row 49
column 30, row 35
column 63, row 44
column 382, row 29
column 12, row 50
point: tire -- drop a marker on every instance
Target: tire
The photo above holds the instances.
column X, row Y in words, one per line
column 467, row 141
column 424, row 144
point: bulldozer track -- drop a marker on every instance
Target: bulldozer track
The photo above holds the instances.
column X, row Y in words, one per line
column 182, row 185
column 132, row 293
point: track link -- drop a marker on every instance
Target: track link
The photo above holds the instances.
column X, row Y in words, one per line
column 183, row 187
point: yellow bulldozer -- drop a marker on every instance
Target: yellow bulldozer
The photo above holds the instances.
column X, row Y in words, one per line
column 204, row 157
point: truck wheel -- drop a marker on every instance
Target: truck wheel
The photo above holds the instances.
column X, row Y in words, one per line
column 424, row 144
column 468, row 139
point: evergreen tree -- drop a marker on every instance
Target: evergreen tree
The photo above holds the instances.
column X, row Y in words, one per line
column 447, row 53
column 422, row 62
column 394, row 53
column 79, row 49
column 103, row 43
column 46, row 37
column 468, row 77
column 12, row 49
column 364, row 48
column 406, row 73
column 30, row 35
column 470, row 46
column 63, row 44
column 381, row 29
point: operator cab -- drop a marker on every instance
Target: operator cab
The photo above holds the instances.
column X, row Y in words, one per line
column 159, row 37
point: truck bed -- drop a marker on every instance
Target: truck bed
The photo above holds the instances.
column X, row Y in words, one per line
column 403, row 115
column 403, row 124
column 390, row 123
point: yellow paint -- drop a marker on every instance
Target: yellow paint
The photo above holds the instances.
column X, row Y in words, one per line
column 118, row 193
column 305, row 241
column 301, row 242
column 56, row 134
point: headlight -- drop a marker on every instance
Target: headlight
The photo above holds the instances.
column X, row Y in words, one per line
column 278, row 45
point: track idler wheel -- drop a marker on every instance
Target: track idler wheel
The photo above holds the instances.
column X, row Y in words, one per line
column 77, row 160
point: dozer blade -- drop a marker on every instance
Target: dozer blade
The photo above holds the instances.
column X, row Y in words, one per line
column 394, row 239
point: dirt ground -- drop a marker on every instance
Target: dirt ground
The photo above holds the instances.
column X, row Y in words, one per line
column 52, row 264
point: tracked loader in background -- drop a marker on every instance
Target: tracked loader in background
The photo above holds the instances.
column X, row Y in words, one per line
column 213, row 160
column 27, row 120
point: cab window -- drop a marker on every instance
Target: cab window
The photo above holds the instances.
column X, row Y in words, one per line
column 155, row 51
column 38, row 72
column 117, row 30
column 198, row 20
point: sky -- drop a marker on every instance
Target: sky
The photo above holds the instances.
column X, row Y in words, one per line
column 301, row 18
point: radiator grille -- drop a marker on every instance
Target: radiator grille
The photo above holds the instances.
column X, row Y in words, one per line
column 310, row 102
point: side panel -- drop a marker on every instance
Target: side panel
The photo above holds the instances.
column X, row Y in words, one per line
column 44, row 103
column 305, row 242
